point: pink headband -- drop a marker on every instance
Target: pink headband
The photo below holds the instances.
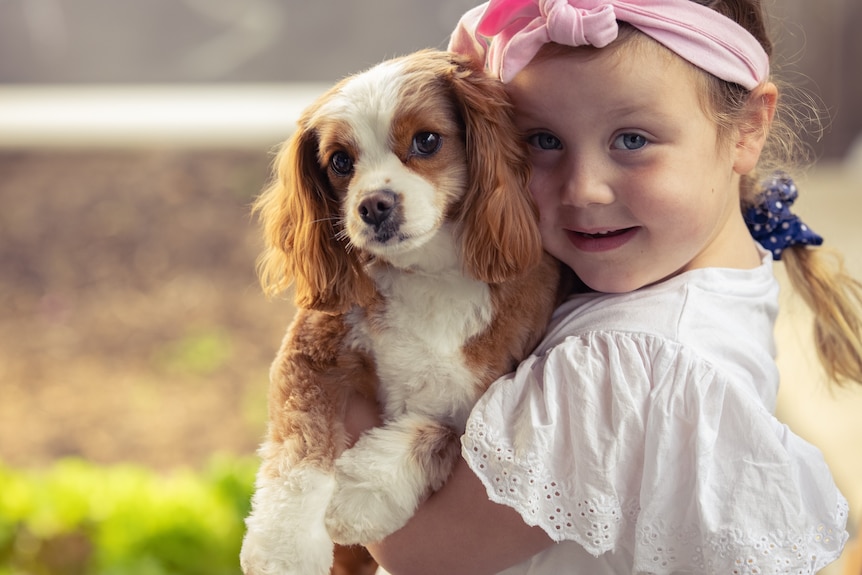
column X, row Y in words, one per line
column 517, row 29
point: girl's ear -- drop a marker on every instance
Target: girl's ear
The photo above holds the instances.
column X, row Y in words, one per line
column 754, row 129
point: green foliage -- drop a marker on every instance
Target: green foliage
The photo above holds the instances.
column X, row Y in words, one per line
column 77, row 518
column 200, row 353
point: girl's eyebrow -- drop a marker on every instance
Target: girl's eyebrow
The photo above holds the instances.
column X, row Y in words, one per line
column 528, row 116
column 628, row 109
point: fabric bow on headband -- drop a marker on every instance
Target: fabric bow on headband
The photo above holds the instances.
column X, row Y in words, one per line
column 517, row 29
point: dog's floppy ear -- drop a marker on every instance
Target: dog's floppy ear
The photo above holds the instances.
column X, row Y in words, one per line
column 299, row 216
column 500, row 234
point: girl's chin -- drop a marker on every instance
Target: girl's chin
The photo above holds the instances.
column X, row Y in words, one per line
column 604, row 279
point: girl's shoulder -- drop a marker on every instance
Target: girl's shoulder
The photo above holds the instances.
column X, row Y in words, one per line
column 724, row 299
column 723, row 318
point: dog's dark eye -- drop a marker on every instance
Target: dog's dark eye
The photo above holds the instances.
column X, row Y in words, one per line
column 426, row 143
column 341, row 163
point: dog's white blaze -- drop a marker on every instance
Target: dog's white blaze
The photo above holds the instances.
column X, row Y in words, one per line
column 371, row 95
column 368, row 104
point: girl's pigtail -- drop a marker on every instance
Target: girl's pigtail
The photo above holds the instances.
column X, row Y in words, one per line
column 835, row 298
column 818, row 275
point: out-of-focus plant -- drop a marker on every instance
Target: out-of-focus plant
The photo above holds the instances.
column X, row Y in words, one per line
column 200, row 353
column 76, row 518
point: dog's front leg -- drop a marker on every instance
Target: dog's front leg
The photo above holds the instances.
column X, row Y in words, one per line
column 382, row 479
column 285, row 533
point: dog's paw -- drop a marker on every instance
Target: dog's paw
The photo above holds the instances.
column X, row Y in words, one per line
column 257, row 559
column 285, row 532
column 382, row 479
column 367, row 505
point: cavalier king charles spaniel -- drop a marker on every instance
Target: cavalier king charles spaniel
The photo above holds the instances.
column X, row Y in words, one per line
column 400, row 213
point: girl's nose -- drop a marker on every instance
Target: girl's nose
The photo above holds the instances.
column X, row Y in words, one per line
column 586, row 184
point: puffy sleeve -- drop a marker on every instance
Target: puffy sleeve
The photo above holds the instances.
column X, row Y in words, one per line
column 631, row 442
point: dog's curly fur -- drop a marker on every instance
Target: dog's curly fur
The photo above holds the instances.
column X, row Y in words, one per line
column 401, row 215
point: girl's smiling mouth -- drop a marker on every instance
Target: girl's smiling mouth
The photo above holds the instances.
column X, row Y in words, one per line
column 600, row 241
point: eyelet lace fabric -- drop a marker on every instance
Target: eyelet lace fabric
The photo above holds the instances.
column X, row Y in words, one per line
column 602, row 523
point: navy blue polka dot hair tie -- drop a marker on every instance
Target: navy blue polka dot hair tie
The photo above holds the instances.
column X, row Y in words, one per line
column 772, row 224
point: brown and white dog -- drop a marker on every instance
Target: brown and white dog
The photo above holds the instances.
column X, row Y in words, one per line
column 401, row 214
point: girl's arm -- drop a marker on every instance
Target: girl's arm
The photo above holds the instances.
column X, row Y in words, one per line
column 457, row 530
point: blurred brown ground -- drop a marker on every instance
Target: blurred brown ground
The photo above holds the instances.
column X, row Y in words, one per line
column 132, row 327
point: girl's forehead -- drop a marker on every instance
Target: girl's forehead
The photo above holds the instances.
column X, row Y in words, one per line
column 628, row 77
column 634, row 62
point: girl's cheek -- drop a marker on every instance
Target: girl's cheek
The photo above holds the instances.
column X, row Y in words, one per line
column 538, row 198
column 540, row 187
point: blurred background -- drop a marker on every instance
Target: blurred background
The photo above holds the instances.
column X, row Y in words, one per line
column 134, row 339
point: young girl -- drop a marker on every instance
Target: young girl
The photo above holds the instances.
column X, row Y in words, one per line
column 639, row 436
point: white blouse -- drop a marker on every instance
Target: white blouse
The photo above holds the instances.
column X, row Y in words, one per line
column 640, row 436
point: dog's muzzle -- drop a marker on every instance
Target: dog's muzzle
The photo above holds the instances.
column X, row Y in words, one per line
column 379, row 211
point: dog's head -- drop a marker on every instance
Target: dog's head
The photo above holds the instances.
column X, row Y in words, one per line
column 380, row 163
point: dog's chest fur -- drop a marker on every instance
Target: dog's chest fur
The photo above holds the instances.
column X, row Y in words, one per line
column 416, row 337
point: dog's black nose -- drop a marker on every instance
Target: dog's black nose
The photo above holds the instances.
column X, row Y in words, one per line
column 376, row 208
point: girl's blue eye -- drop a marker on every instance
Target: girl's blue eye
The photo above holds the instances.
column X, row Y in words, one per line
column 545, row 141
column 629, row 142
